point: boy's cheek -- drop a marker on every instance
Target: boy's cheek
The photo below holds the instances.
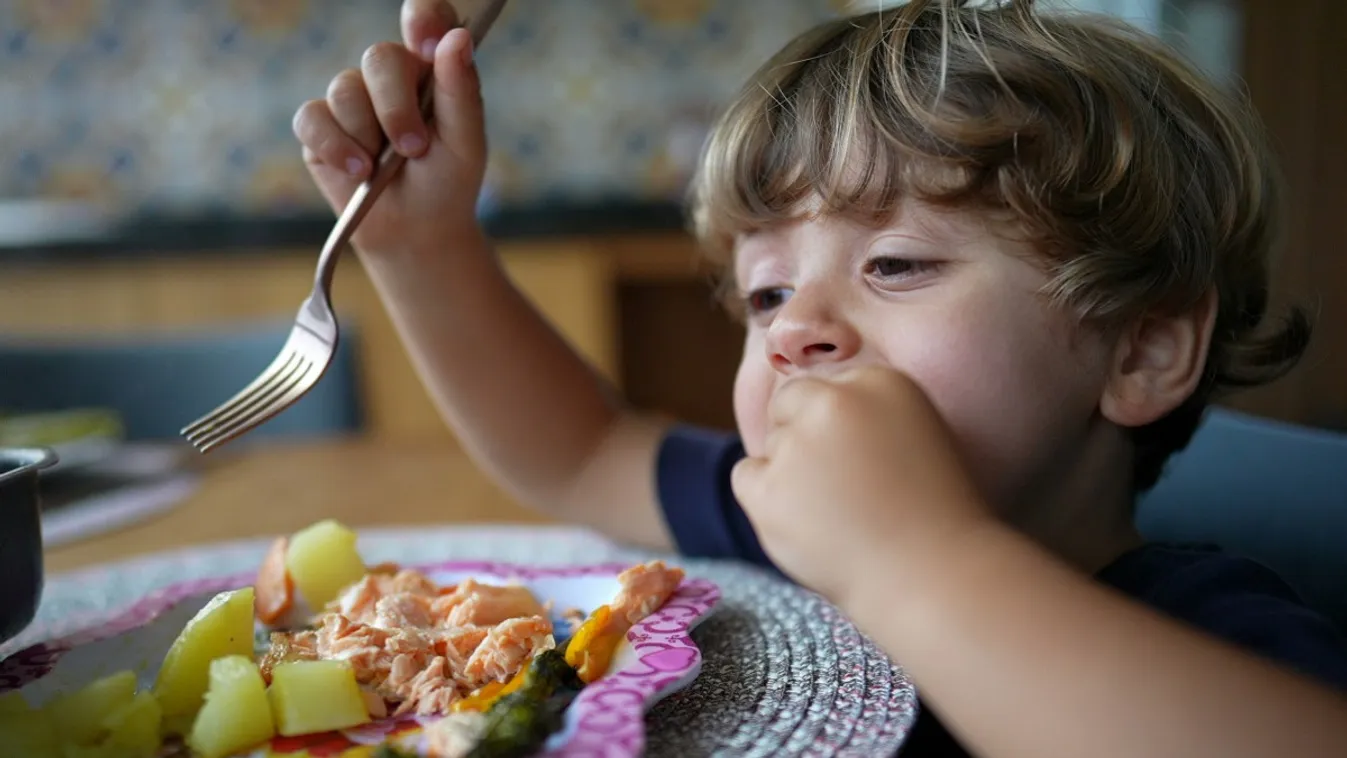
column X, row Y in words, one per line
column 1014, row 404
column 752, row 393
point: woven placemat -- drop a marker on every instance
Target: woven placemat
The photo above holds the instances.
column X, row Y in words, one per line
column 784, row 673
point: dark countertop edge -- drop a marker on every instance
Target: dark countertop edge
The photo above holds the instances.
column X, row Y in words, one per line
column 152, row 235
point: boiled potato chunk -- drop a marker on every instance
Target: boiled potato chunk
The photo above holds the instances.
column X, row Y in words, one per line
column 223, row 627
column 79, row 715
column 177, row 724
column 13, row 704
column 71, row 750
column 236, row 714
column 315, row 696
column 28, row 734
column 102, row 750
column 133, row 728
column 322, row 560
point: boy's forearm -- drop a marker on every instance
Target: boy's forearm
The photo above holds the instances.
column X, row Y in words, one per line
column 524, row 404
column 1021, row 655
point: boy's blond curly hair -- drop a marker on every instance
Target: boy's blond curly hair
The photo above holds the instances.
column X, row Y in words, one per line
column 1143, row 185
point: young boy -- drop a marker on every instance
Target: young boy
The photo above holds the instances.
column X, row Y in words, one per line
column 993, row 263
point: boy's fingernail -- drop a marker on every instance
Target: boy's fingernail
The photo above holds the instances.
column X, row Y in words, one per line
column 411, row 144
column 355, row 167
column 428, row 49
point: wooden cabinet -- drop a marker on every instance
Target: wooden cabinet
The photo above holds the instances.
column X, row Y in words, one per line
column 572, row 282
column 637, row 306
column 1292, row 62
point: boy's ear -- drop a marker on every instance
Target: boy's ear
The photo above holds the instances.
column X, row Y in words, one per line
column 1158, row 363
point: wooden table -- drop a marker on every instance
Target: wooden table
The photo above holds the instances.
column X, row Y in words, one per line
column 277, row 489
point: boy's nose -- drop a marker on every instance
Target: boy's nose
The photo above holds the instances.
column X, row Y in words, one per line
column 800, row 341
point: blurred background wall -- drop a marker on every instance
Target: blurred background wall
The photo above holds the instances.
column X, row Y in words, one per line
column 185, row 106
column 150, row 186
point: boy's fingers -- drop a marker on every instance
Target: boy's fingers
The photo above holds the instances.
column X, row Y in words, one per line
column 458, row 97
column 336, row 185
column 320, row 134
column 351, row 107
column 391, row 74
column 424, row 22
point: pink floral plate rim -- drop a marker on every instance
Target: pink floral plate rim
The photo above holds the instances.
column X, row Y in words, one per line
column 607, row 718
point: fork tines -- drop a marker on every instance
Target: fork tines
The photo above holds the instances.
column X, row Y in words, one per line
column 288, row 377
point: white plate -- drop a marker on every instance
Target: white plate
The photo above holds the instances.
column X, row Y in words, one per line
column 657, row 658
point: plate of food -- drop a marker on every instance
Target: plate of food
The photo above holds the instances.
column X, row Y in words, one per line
column 317, row 653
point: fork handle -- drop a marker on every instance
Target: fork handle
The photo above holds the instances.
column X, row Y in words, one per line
column 362, row 200
column 390, row 161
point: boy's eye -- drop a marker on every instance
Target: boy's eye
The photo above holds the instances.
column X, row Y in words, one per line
column 765, row 299
column 888, row 267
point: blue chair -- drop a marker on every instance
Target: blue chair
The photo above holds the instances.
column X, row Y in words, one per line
column 1271, row 491
column 161, row 383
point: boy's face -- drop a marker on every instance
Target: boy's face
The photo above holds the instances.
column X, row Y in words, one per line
column 940, row 296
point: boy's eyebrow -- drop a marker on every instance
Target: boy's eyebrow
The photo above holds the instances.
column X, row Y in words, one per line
column 743, row 255
column 888, row 234
column 750, row 249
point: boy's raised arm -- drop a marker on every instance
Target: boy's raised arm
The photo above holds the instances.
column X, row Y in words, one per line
column 524, row 404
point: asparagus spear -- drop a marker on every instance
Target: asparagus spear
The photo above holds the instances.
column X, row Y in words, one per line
column 519, row 723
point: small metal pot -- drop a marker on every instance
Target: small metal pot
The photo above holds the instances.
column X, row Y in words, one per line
column 20, row 536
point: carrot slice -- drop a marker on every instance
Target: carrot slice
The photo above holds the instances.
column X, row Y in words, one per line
column 274, row 592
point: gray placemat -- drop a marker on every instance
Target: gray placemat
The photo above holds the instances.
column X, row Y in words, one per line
column 784, row 673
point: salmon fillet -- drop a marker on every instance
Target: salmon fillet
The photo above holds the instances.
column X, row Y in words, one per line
column 417, row 648
column 285, row 646
column 645, row 588
column 475, row 604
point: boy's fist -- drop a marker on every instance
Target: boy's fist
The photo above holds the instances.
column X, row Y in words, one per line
column 856, row 470
column 433, row 199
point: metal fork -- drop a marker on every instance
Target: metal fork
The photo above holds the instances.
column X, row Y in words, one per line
column 308, row 351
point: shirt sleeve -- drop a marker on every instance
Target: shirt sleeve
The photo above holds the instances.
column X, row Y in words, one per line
column 693, row 484
column 1264, row 614
column 1249, row 605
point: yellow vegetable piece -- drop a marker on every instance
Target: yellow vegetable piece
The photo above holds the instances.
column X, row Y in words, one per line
column 237, row 712
column 583, row 637
column 480, row 699
column 487, row 695
column 101, row 750
column 590, row 651
column 223, row 627
column 13, row 704
column 600, row 656
column 133, row 727
column 315, row 696
column 79, row 715
column 29, row 734
column 72, row 750
column 323, row 560
column 179, row 724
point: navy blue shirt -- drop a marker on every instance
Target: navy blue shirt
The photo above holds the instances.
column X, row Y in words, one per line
column 1230, row 597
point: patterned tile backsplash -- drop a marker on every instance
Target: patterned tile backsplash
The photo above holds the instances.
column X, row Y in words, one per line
column 185, row 105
